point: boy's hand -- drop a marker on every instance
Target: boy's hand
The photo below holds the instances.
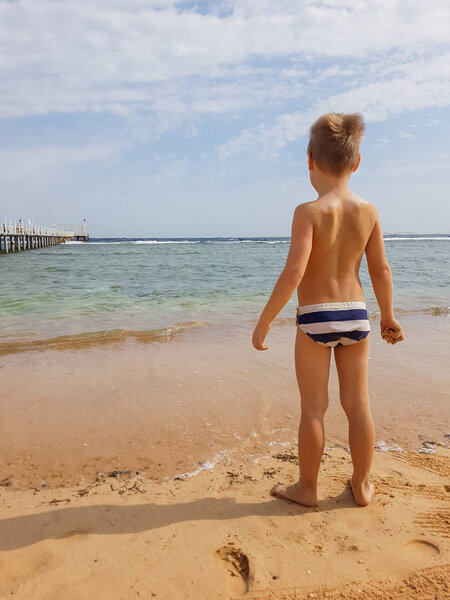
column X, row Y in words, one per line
column 259, row 335
column 391, row 331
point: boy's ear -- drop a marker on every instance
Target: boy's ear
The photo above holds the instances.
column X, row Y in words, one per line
column 357, row 163
column 310, row 161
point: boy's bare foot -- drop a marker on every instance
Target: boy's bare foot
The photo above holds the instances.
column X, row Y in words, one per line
column 294, row 494
column 362, row 495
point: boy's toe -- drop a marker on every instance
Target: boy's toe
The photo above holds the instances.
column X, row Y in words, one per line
column 274, row 491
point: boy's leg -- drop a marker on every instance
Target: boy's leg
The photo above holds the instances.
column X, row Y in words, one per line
column 312, row 367
column 352, row 367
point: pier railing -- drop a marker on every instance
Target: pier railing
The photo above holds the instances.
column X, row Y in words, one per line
column 18, row 227
column 18, row 234
column 77, row 230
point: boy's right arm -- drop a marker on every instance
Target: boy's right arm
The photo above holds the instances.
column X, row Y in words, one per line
column 381, row 277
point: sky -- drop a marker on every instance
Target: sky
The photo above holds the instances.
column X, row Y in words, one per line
column 170, row 119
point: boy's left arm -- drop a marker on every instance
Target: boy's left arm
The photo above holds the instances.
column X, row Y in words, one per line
column 290, row 276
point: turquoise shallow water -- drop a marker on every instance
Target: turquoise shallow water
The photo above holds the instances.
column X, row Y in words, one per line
column 149, row 284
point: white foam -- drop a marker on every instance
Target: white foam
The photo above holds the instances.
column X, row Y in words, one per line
column 383, row 447
column 250, row 241
column 98, row 243
column 399, row 239
column 427, row 448
column 137, row 242
column 208, row 464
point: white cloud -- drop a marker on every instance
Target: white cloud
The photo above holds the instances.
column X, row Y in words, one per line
column 406, row 134
column 414, row 169
column 167, row 57
column 32, row 163
column 422, row 84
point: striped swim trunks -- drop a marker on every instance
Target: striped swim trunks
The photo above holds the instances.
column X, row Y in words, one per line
column 334, row 323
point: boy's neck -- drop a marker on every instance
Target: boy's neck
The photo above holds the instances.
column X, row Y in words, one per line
column 325, row 183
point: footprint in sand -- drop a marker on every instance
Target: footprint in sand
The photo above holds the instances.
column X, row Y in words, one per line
column 238, row 566
column 425, row 546
column 269, row 521
column 80, row 533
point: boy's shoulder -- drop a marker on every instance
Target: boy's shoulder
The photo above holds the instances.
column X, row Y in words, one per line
column 316, row 213
column 314, row 206
column 305, row 208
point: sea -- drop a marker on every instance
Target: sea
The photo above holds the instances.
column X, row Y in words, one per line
column 150, row 284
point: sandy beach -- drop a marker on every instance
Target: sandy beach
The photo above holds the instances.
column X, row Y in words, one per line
column 220, row 535
column 142, row 468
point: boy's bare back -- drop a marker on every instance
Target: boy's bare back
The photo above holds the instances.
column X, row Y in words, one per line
column 342, row 226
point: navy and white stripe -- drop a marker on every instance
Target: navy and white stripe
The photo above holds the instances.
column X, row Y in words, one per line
column 334, row 323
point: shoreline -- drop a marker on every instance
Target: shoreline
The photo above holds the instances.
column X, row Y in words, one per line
column 11, row 343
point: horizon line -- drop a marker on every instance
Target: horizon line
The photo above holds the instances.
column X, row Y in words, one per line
column 243, row 236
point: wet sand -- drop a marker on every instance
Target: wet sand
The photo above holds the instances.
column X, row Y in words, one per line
column 162, row 409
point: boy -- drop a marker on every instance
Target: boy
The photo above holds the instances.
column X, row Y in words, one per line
column 328, row 239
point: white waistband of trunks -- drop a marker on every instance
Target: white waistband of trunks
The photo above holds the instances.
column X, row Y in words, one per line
column 307, row 308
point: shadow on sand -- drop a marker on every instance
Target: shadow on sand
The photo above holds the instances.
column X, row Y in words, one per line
column 18, row 532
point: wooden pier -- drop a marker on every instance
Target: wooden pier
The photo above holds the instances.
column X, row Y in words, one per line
column 18, row 235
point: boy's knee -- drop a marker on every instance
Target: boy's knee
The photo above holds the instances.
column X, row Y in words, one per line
column 316, row 409
column 354, row 404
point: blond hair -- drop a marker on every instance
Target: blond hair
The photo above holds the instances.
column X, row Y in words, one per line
column 334, row 141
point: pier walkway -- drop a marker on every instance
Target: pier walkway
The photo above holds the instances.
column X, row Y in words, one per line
column 18, row 235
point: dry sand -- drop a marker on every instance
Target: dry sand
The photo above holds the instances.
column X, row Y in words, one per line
column 220, row 535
